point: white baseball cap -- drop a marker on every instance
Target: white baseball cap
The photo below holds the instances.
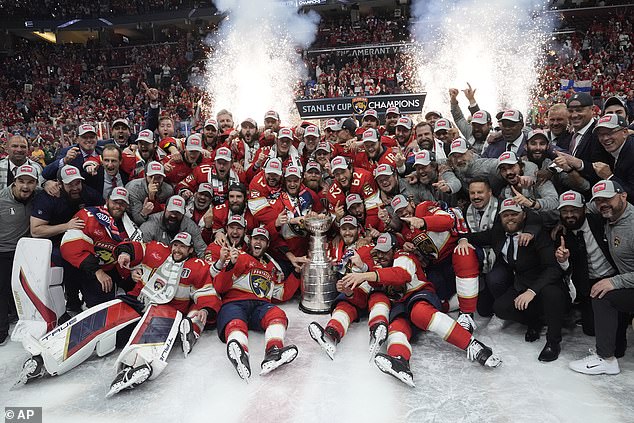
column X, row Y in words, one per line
column 238, row 219
column 260, row 231
column 423, row 158
column 383, row 169
column 86, row 128
column 442, row 125
column 272, row 114
column 26, row 170
column 353, row 199
column 206, row 187
column 338, row 162
column 273, row 165
column 370, row 113
column 570, row 198
column 69, row 173
column 211, row 122
column 121, row 121
column 311, row 131
column 349, row 220
column 223, row 153
column 385, row 242
column 508, row 157
column 293, row 171
column 175, row 203
column 370, row 135
column 183, row 237
column 405, row 122
column 146, row 136
column 285, row 133
column 120, row 193
column 155, row 168
column 606, row 189
column 399, row 202
column 510, row 204
column 392, row 110
column 459, row 145
column 194, row 143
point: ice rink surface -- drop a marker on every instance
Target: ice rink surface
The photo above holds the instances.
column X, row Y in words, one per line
column 449, row 388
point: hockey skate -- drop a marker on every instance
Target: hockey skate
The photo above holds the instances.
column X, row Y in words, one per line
column 33, row 368
column 129, row 378
column 378, row 335
column 327, row 339
column 466, row 321
column 276, row 357
column 395, row 366
column 188, row 335
column 479, row 352
column 240, row 359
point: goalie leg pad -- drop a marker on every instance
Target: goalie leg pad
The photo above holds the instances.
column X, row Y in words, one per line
column 152, row 340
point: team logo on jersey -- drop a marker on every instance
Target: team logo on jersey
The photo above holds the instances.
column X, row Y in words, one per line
column 260, row 281
column 367, row 190
column 159, row 284
column 425, row 245
column 395, row 292
column 360, row 104
column 104, row 252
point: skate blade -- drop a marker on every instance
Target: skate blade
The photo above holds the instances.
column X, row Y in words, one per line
column 28, row 368
column 135, row 380
column 287, row 357
column 493, row 361
column 377, row 341
column 317, row 336
column 384, row 365
column 234, row 355
column 184, row 329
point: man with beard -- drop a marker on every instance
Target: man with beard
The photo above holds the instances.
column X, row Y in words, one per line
column 309, row 143
column 313, row 179
column 271, row 128
column 537, row 289
column 199, row 210
column 558, row 121
column 283, row 149
column 390, row 185
column 541, row 198
column 247, row 283
column 513, row 138
column 264, row 189
column 91, row 249
column 134, row 162
column 477, row 132
column 349, row 180
column 234, row 233
column 323, row 155
column 466, row 165
column 17, row 149
column 120, row 133
column 375, row 153
column 431, row 230
column 294, row 203
column 246, row 144
column 52, row 216
column 220, row 175
column 615, row 294
column 391, row 118
column 443, row 132
column 236, row 206
column 349, row 255
column 428, row 183
column 403, row 134
column 583, row 253
column 16, row 201
column 413, row 301
column 346, row 143
column 371, row 226
column 330, row 133
column 163, row 227
column 424, row 140
column 210, row 134
column 149, row 194
column 191, row 158
column 432, row 117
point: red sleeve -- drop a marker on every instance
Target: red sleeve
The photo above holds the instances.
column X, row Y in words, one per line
column 436, row 220
column 224, row 281
column 205, row 295
column 393, row 276
column 77, row 244
column 190, row 182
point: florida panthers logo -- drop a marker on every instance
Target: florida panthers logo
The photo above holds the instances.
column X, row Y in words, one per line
column 159, row 284
column 425, row 245
column 395, row 292
column 360, row 104
column 260, row 281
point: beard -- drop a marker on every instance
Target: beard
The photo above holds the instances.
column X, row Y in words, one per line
column 237, row 208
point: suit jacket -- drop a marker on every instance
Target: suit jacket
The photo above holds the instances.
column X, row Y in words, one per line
column 494, row 150
column 578, row 260
column 623, row 169
column 562, row 142
column 535, row 266
column 51, row 170
column 96, row 182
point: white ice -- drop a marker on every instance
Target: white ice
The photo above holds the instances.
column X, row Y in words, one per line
column 449, row 388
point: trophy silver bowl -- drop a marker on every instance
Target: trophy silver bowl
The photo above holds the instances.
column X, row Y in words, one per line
column 319, row 287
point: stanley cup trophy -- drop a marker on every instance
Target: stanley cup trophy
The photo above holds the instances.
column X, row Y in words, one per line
column 319, row 288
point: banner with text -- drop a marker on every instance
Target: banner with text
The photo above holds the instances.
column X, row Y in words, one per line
column 349, row 106
column 371, row 50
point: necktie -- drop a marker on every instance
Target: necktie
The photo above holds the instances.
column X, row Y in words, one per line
column 509, row 146
column 114, row 182
column 573, row 143
column 510, row 251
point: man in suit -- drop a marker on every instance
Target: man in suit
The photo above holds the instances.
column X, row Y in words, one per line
column 582, row 252
column 105, row 174
column 76, row 154
column 537, row 279
column 513, row 138
column 558, row 133
column 17, row 155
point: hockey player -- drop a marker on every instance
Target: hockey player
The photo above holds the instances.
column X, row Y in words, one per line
column 431, row 230
column 234, row 237
column 414, row 300
column 283, row 150
column 174, row 283
column 91, row 249
column 264, row 189
column 352, row 180
column 375, row 153
column 220, row 175
column 348, row 256
column 236, row 205
column 247, row 282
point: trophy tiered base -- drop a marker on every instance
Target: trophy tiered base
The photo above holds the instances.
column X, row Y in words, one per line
column 318, row 286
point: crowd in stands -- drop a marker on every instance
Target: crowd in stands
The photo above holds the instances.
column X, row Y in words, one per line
column 366, row 30
column 67, row 9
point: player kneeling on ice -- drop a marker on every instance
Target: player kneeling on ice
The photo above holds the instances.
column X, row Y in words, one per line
column 348, row 255
column 247, row 281
column 414, row 300
column 173, row 283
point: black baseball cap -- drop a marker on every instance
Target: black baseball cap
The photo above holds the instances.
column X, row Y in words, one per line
column 584, row 99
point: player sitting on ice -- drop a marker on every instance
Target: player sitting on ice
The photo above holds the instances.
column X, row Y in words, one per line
column 349, row 255
column 247, row 282
column 414, row 300
column 174, row 283
column 431, row 230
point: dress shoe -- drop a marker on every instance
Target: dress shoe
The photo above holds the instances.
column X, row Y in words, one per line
column 550, row 352
column 532, row 334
